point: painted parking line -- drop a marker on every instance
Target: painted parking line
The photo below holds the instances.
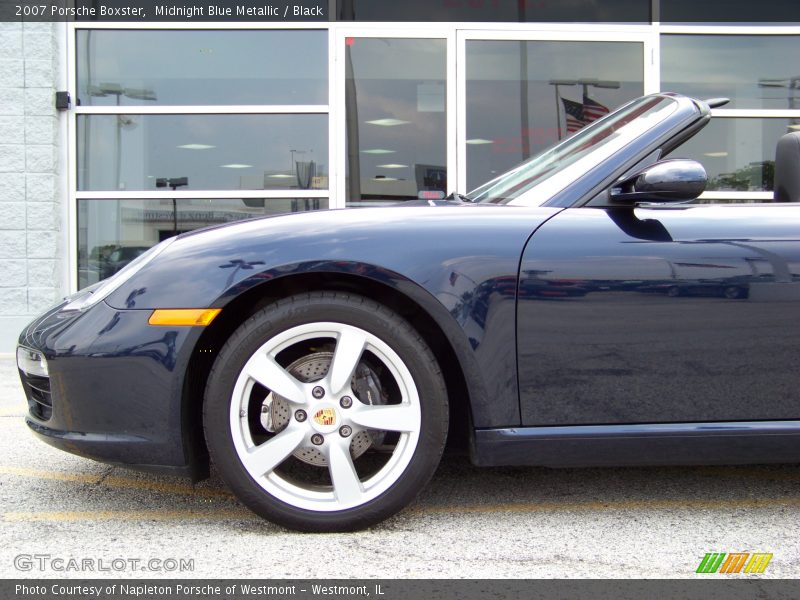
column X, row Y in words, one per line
column 229, row 514
column 117, row 482
column 51, row 475
column 167, row 488
column 127, row 515
column 101, row 479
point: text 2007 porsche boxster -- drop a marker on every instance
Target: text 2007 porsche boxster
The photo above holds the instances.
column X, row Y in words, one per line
column 321, row 360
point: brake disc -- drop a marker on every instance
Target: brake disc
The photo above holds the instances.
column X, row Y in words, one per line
column 276, row 410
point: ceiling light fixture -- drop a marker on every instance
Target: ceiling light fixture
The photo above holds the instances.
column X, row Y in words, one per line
column 196, row 146
column 388, row 122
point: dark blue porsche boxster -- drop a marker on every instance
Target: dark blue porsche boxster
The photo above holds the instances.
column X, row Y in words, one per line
column 576, row 310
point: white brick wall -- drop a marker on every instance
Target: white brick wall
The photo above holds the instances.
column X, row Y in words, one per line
column 31, row 256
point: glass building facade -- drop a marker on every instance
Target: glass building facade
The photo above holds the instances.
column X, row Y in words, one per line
column 179, row 127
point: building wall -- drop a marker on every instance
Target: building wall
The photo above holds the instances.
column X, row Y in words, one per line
column 31, row 206
column 51, row 224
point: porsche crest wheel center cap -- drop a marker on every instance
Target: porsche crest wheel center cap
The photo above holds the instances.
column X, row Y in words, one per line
column 325, row 419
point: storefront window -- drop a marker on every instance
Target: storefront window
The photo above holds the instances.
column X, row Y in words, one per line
column 212, row 152
column 264, row 126
column 753, row 71
column 111, row 233
column 215, row 112
column 396, row 119
column 135, row 68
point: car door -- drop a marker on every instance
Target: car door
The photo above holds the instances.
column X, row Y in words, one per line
column 661, row 315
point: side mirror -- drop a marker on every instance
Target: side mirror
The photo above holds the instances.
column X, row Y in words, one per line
column 665, row 181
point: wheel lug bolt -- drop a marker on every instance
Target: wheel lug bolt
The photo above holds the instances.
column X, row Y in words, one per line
column 345, row 430
column 318, row 392
column 346, row 402
column 317, row 439
column 300, row 415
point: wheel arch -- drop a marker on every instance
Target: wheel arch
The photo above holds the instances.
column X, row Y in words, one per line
column 428, row 317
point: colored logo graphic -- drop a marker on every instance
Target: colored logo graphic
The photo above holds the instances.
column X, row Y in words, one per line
column 734, row 562
column 325, row 416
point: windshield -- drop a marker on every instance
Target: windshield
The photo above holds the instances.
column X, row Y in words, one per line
column 536, row 180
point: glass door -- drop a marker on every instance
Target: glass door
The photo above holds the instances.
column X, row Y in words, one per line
column 398, row 124
column 439, row 110
column 520, row 92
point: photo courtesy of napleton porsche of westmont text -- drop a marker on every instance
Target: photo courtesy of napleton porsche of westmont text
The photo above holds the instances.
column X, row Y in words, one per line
column 422, row 299
column 188, row 590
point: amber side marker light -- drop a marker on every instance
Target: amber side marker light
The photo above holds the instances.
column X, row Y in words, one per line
column 183, row 316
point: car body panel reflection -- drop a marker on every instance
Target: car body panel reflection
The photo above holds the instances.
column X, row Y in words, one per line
column 678, row 326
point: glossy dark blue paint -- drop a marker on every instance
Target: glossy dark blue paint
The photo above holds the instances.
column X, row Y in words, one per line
column 122, row 375
column 661, row 315
column 116, row 385
column 592, row 318
column 459, row 264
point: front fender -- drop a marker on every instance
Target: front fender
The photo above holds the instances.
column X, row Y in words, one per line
column 459, row 264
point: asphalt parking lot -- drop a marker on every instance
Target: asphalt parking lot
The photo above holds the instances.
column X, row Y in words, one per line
column 470, row 522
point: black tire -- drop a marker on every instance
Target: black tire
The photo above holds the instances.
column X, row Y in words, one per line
column 297, row 312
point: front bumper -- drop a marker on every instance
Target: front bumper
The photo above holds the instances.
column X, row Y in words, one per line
column 115, row 387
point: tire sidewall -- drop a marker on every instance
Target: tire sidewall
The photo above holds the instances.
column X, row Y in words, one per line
column 349, row 310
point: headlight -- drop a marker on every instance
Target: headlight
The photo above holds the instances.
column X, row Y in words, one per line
column 31, row 362
column 104, row 288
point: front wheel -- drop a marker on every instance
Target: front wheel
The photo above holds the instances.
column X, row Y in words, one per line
column 325, row 412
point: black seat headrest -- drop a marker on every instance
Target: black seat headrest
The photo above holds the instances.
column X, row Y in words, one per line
column 787, row 168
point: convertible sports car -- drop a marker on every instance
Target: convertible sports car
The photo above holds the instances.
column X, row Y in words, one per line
column 322, row 360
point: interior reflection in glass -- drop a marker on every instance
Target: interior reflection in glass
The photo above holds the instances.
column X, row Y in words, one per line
column 524, row 96
column 754, row 71
column 534, row 181
column 112, row 233
column 213, row 152
column 129, row 68
column 396, row 119
column 737, row 153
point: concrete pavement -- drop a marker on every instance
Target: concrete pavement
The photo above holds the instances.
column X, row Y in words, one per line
column 470, row 522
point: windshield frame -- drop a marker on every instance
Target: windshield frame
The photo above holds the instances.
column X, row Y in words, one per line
column 541, row 177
